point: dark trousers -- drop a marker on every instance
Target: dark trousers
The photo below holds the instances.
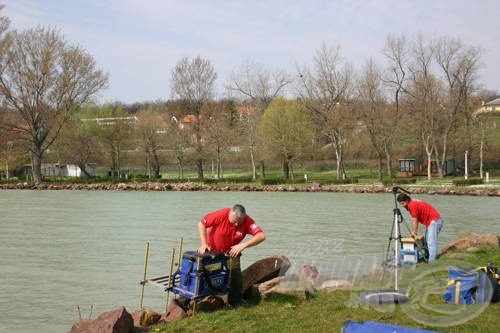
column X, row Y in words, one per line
column 235, row 280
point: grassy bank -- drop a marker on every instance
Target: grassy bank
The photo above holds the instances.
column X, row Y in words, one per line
column 327, row 311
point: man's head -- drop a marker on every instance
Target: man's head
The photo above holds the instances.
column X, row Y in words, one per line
column 403, row 199
column 236, row 215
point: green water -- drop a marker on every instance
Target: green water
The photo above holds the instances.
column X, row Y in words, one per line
column 61, row 250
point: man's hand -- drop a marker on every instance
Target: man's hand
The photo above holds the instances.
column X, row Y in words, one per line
column 236, row 249
column 202, row 249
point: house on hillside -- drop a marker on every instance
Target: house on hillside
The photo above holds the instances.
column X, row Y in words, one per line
column 489, row 108
column 60, row 170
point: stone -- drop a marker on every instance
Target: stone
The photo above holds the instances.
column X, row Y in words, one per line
column 174, row 311
column 209, row 304
column 469, row 239
column 264, row 270
column 115, row 321
column 145, row 317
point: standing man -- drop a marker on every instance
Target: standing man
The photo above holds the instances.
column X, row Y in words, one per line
column 223, row 231
column 425, row 213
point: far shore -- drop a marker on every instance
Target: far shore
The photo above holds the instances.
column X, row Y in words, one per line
column 479, row 190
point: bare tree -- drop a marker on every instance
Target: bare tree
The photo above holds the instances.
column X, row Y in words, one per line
column 425, row 100
column 219, row 131
column 193, row 83
column 43, row 81
column 4, row 34
column 326, row 90
column 396, row 53
column 373, row 110
column 177, row 142
column 459, row 66
column 255, row 86
column 149, row 129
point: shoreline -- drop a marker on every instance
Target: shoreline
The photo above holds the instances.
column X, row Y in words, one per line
column 483, row 190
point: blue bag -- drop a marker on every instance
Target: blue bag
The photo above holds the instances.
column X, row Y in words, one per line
column 467, row 286
column 376, row 327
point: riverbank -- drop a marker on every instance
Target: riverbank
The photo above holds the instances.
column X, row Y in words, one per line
column 478, row 190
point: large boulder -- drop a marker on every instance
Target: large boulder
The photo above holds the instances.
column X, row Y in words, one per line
column 115, row 321
column 469, row 239
column 264, row 270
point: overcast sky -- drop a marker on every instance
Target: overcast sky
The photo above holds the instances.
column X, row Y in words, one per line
column 138, row 42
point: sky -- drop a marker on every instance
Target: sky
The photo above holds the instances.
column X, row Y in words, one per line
column 139, row 42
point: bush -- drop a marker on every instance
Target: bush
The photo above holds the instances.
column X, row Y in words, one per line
column 398, row 181
column 353, row 180
column 278, row 181
column 467, row 182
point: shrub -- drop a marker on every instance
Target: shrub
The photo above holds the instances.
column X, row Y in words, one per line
column 467, row 182
column 398, row 181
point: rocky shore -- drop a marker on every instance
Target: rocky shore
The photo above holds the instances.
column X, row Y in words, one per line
column 262, row 279
column 483, row 190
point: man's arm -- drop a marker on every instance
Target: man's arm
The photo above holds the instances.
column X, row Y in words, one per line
column 202, row 231
column 257, row 239
column 414, row 226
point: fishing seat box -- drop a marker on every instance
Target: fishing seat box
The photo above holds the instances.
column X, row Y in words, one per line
column 410, row 246
column 408, row 256
column 201, row 275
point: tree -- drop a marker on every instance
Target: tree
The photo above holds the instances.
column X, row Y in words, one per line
column 255, row 86
column 219, row 131
column 177, row 141
column 459, row 66
column 326, row 90
column 425, row 100
column 373, row 109
column 396, row 53
column 150, row 127
column 43, row 81
column 193, row 83
column 78, row 144
column 114, row 134
column 285, row 133
column 5, row 36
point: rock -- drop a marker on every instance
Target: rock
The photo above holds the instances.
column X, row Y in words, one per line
column 174, row 311
column 335, row 284
column 307, row 275
column 145, row 318
column 115, row 321
column 282, row 285
column 309, row 272
column 264, row 270
column 465, row 240
column 209, row 304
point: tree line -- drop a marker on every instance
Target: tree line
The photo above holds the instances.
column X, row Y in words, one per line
column 419, row 100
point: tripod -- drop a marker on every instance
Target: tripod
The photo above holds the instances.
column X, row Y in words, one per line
column 389, row 295
column 394, row 236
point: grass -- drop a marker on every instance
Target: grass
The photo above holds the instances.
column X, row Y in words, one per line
column 327, row 311
column 242, row 176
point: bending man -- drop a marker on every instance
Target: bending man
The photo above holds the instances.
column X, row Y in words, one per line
column 223, row 231
column 425, row 213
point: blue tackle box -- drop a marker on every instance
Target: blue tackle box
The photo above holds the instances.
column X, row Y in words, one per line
column 201, row 275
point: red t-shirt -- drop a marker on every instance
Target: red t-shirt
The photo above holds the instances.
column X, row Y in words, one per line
column 423, row 211
column 221, row 235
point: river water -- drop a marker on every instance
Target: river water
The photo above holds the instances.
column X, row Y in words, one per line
column 66, row 254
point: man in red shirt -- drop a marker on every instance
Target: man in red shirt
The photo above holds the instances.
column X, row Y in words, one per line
column 425, row 213
column 223, row 231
